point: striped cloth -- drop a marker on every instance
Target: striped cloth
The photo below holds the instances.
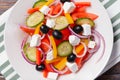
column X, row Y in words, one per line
column 112, row 6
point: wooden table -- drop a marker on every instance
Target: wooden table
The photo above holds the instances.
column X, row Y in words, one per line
column 112, row 74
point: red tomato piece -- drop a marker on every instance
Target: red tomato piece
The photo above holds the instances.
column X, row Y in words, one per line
column 27, row 30
column 84, row 15
column 43, row 46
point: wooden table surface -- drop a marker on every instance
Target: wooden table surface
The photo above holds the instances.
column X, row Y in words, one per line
column 112, row 74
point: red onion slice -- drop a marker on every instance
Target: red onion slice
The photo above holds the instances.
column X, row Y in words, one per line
column 84, row 53
column 57, row 71
column 102, row 41
column 80, row 36
column 43, row 55
column 97, row 40
column 23, row 54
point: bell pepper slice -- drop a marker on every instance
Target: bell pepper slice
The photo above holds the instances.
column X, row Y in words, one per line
column 61, row 65
column 69, row 18
column 38, row 57
column 54, row 46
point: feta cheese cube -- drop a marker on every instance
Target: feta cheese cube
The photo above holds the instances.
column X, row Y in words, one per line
column 69, row 7
column 50, row 55
column 52, row 76
column 50, row 23
column 45, row 9
column 35, row 40
column 91, row 44
column 72, row 66
column 74, row 40
column 86, row 29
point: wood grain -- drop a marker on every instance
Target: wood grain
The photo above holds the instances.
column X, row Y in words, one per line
column 112, row 74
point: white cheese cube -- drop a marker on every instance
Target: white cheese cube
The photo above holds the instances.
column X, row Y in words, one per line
column 86, row 29
column 50, row 23
column 72, row 66
column 45, row 9
column 35, row 40
column 91, row 44
column 50, row 55
column 52, row 76
column 69, row 7
column 74, row 40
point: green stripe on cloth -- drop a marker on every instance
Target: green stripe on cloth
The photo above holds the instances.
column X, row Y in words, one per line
column 3, row 66
column 115, row 28
column 2, row 27
column 15, row 77
column 116, row 17
column 8, row 72
column 109, row 3
column 1, row 38
column 117, row 37
column 2, row 48
column 101, row 0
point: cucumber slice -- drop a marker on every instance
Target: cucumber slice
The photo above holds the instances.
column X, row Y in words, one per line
column 39, row 3
column 61, row 23
column 64, row 49
column 34, row 19
column 30, row 52
column 81, row 21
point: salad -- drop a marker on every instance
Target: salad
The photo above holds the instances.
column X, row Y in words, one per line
column 61, row 37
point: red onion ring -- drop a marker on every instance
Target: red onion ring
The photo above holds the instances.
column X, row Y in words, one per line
column 43, row 36
column 23, row 54
column 53, row 16
column 57, row 71
column 102, row 40
column 43, row 55
column 97, row 40
column 84, row 53
column 80, row 36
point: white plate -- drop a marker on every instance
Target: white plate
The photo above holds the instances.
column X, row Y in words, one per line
column 14, row 36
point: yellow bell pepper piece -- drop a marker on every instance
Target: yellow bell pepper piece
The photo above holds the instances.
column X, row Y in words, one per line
column 54, row 46
column 86, row 41
column 37, row 30
column 69, row 18
column 54, row 60
column 79, row 48
column 61, row 65
column 49, row 2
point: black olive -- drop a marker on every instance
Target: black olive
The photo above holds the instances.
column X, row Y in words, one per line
column 77, row 29
column 57, row 34
column 40, row 67
column 71, row 58
column 44, row 29
column 63, row 1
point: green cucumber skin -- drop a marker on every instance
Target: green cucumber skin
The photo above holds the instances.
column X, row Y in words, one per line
column 91, row 22
column 34, row 26
column 37, row 2
column 67, row 53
